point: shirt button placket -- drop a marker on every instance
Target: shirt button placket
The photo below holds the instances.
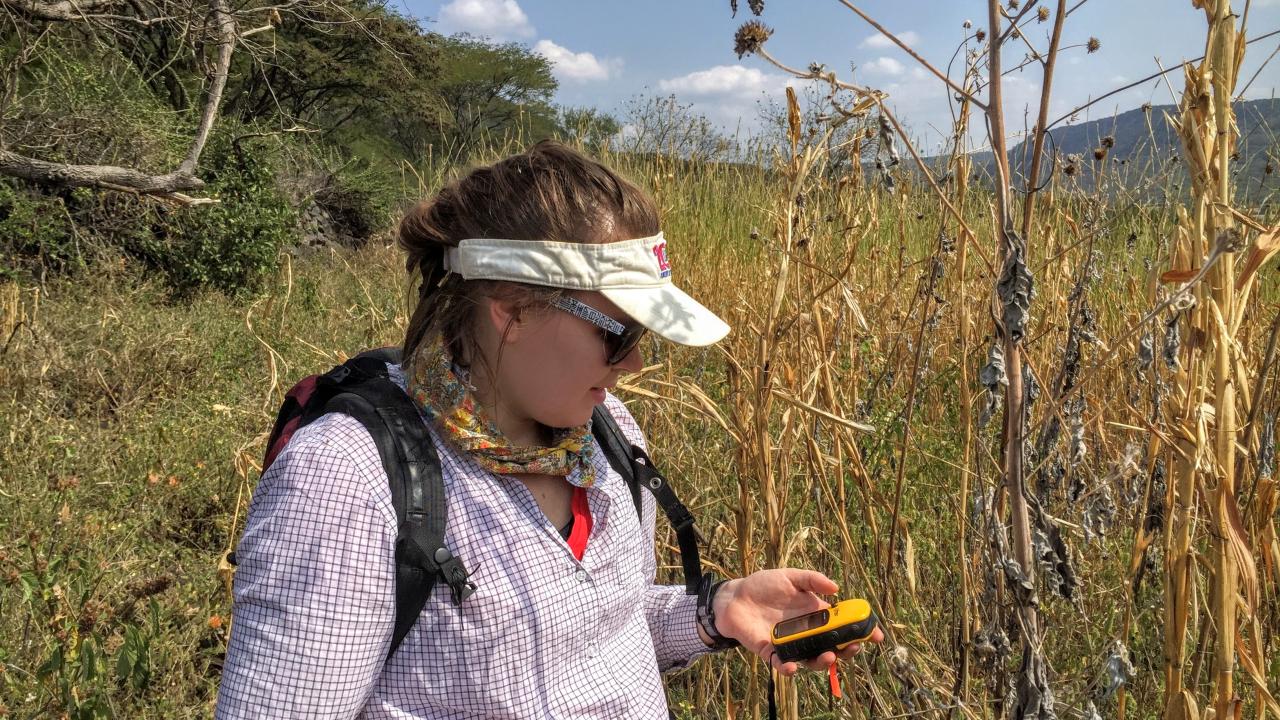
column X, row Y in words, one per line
column 592, row 629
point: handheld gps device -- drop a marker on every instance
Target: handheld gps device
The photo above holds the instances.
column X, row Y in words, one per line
column 835, row 628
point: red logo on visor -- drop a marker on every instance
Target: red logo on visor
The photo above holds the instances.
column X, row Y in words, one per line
column 664, row 265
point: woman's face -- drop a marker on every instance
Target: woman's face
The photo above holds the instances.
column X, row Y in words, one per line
column 552, row 369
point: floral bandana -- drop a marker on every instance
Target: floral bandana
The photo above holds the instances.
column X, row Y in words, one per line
column 447, row 400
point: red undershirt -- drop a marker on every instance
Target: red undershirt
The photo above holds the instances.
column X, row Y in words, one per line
column 580, row 523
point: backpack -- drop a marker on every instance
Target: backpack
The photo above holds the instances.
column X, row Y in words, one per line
column 362, row 388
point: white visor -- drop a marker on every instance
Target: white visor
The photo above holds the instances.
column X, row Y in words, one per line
column 634, row 274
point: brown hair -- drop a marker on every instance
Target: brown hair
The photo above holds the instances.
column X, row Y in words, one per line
column 548, row 192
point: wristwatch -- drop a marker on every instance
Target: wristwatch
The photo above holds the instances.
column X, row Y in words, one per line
column 707, row 589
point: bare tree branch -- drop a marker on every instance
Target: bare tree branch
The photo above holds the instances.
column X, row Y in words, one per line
column 100, row 176
column 61, row 11
column 171, row 185
column 217, row 83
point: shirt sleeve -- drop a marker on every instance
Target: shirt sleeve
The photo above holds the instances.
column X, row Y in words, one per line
column 315, row 584
column 672, row 614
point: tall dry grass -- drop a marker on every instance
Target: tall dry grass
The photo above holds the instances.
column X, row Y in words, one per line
column 853, row 422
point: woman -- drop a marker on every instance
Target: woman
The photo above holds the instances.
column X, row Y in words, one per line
column 540, row 275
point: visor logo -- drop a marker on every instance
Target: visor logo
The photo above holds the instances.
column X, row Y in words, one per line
column 664, row 265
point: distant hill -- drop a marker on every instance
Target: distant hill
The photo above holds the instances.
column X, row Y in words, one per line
column 1146, row 153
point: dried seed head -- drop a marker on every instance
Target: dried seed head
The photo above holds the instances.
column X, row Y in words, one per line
column 750, row 37
column 1268, row 169
column 147, row 587
column 968, row 24
column 1015, row 33
column 1093, row 45
column 1013, row 4
column 1108, row 142
column 757, row 6
column 1099, row 154
column 981, row 35
column 1042, row 14
column 1146, row 107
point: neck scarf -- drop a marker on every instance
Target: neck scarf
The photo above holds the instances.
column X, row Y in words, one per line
column 440, row 388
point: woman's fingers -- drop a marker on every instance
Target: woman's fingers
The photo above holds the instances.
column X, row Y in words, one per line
column 812, row 580
column 822, row 662
column 848, row 652
column 786, row 668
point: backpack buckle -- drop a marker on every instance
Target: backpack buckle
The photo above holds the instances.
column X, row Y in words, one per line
column 455, row 575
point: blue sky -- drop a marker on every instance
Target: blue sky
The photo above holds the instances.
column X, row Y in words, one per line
column 606, row 52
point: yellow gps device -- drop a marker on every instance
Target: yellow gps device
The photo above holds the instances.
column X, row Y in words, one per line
column 835, row 628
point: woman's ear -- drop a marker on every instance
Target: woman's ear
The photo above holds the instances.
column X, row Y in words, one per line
column 504, row 316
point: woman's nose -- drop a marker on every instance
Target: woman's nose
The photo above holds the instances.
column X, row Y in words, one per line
column 634, row 360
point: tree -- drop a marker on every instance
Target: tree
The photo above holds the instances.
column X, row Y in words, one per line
column 592, row 128
column 213, row 31
column 342, row 64
column 664, row 125
column 333, row 60
column 490, row 90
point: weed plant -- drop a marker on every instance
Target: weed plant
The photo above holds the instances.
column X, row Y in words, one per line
column 839, row 427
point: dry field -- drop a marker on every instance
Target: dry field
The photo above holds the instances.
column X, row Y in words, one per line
column 1108, row 543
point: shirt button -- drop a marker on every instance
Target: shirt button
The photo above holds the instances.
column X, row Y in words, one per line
column 580, row 575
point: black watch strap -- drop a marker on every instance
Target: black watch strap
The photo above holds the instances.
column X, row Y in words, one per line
column 707, row 589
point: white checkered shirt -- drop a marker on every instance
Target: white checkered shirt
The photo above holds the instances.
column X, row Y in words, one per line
column 544, row 635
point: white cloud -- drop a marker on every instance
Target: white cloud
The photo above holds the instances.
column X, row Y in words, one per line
column 878, row 40
column 727, row 94
column 577, row 67
column 498, row 19
column 884, row 66
column 723, row 80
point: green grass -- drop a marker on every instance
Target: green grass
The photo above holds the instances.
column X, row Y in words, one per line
column 132, row 424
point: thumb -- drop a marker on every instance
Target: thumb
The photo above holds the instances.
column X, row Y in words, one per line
column 812, row 580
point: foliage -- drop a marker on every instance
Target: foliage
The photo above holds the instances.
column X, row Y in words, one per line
column 491, row 90
column 663, row 125
column 87, row 104
column 34, row 230
column 334, row 66
column 593, row 129
column 230, row 246
column 181, row 452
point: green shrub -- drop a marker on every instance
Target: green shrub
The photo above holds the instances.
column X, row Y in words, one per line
column 35, row 231
column 231, row 246
column 360, row 202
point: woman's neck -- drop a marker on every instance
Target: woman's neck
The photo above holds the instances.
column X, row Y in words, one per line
column 518, row 428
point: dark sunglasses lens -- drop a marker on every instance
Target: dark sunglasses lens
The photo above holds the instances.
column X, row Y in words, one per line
column 620, row 346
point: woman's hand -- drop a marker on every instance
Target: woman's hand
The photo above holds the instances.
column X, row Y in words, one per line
column 746, row 610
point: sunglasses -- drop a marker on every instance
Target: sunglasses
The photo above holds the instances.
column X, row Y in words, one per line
column 619, row 339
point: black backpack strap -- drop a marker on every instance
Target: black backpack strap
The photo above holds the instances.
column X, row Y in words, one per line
column 617, row 449
column 417, row 486
column 635, row 467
